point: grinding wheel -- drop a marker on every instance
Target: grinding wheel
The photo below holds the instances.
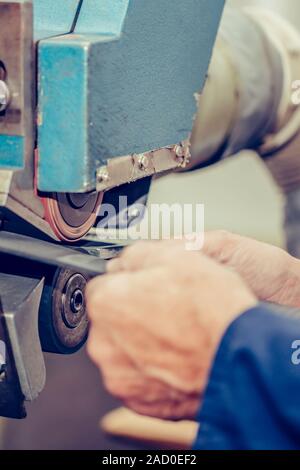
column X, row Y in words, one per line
column 63, row 321
column 71, row 215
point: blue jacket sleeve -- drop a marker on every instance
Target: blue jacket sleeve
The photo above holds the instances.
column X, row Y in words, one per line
column 253, row 397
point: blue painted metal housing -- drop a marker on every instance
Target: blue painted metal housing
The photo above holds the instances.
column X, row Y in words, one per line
column 120, row 79
column 53, row 17
column 124, row 82
column 12, row 151
column 104, row 16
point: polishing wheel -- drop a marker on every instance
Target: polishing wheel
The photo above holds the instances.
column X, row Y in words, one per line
column 63, row 321
column 71, row 215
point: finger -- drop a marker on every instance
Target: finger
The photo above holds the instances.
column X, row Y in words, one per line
column 97, row 284
column 219, row 244
column 114, row 266
column 166, row 408
column 107, row 293
column 121, row 287
column 132, row 257
column 113, row 296
column 144, row 255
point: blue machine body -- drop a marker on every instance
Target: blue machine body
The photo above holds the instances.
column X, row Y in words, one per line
column 53, row 17
column 115, row 77
column 12, row 151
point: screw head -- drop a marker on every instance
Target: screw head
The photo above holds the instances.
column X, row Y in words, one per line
column 182, row 154
column 134, row 212
column 102, row 175
column 143, row 162
column 4, row 96
column 179, row 151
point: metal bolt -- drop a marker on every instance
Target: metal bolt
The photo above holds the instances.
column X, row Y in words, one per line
column 73, row 302
column 134, row 213
column 179, row 151
column 102, row 175
column 77, row 301
column 143, row 162
column 4, row 96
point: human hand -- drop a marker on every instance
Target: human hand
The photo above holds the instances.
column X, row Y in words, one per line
column 270, row 272
column 157, row 319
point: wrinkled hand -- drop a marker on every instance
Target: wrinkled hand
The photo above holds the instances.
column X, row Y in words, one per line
column 156, row 321
column 271, row 273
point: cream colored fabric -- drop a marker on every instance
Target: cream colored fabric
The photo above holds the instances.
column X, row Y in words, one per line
column 164, row 434
column 286, row 39
column 241, row 100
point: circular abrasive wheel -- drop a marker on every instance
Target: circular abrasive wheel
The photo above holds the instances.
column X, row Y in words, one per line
column 71, row 215
column 63, row 320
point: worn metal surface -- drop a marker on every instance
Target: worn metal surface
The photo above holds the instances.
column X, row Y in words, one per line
column 17, row 70
column 4, row 96
column 50, row 253
column 134, row 167
column 106, row 95
column 24, row 373
column 16, row 124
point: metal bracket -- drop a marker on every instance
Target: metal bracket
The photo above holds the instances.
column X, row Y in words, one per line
column 54, row 17
column 131, row 168
column 50, row 253
column 22, row 365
